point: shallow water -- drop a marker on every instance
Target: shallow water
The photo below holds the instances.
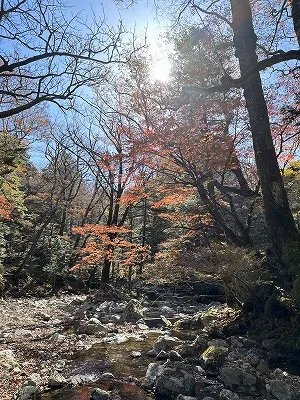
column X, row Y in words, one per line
column 119, row 390
column 109, row 357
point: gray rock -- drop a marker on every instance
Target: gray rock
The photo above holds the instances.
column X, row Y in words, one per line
column 153, row 371
column 175, row 356
column 80, row 379
column 135, row 354
column 94, row 321
column 228, row 395
column 56, row 381
column 99, row 394
column 262, row 366
column 162, row 355
column 132, row 312
column 193, row 349
column 166, row 343
column 280, row 390
column 93, row 328
column 191, row 322
column 208, row 388
column 236, row 377
column 57, row 337
column 182, row 397
column 172, row 382
column 29, row 393
column 107, row 376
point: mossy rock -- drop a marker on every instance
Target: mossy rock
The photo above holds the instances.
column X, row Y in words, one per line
column 214, row 355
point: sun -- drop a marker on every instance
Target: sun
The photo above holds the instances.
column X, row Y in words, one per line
column 160, row 70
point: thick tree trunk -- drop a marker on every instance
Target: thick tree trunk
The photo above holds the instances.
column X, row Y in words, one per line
column 296, row 17
column 278, row 215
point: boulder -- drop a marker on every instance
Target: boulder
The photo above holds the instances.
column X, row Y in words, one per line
column 190, row 322
column 56, row 381
column 162, row 355
column 172, row 382
column 280, row 390
column 243, row 380
column 193, row 349
column 214, row 356
column 153, row 371
column 166, row 343
column 132, row 312
column 30, row 392
column 175, row 356
column 93, row 328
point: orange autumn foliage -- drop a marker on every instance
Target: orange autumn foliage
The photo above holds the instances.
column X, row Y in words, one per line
column 109, row 243
column 5, row 209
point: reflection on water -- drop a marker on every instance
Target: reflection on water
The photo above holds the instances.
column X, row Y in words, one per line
column 109, row 357
column 119, row 390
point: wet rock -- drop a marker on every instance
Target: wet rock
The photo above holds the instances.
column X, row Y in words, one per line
column 57, row 381
column 172, row 382
column 99, row 394
column 280, row 390
column 30, row 392
column 132, row 312
column 182, row 397
column 153, row 371
column 228, row 395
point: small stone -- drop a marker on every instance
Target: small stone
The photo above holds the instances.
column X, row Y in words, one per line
column 29, row 382
column 57, row 337
column 135, row 354
column 94, row 321
column 107, row 376
column 228, row 395
column 99, row 394
column 182, row 397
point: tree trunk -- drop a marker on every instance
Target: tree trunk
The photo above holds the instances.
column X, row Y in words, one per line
column 277, row 211
column 105, row 271
column 296, row 17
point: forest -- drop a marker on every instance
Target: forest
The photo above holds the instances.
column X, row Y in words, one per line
column 147, row 198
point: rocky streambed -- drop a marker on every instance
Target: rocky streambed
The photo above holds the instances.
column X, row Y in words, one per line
column 175, row 343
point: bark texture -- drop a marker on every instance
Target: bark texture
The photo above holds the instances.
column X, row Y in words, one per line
column 278, row 214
